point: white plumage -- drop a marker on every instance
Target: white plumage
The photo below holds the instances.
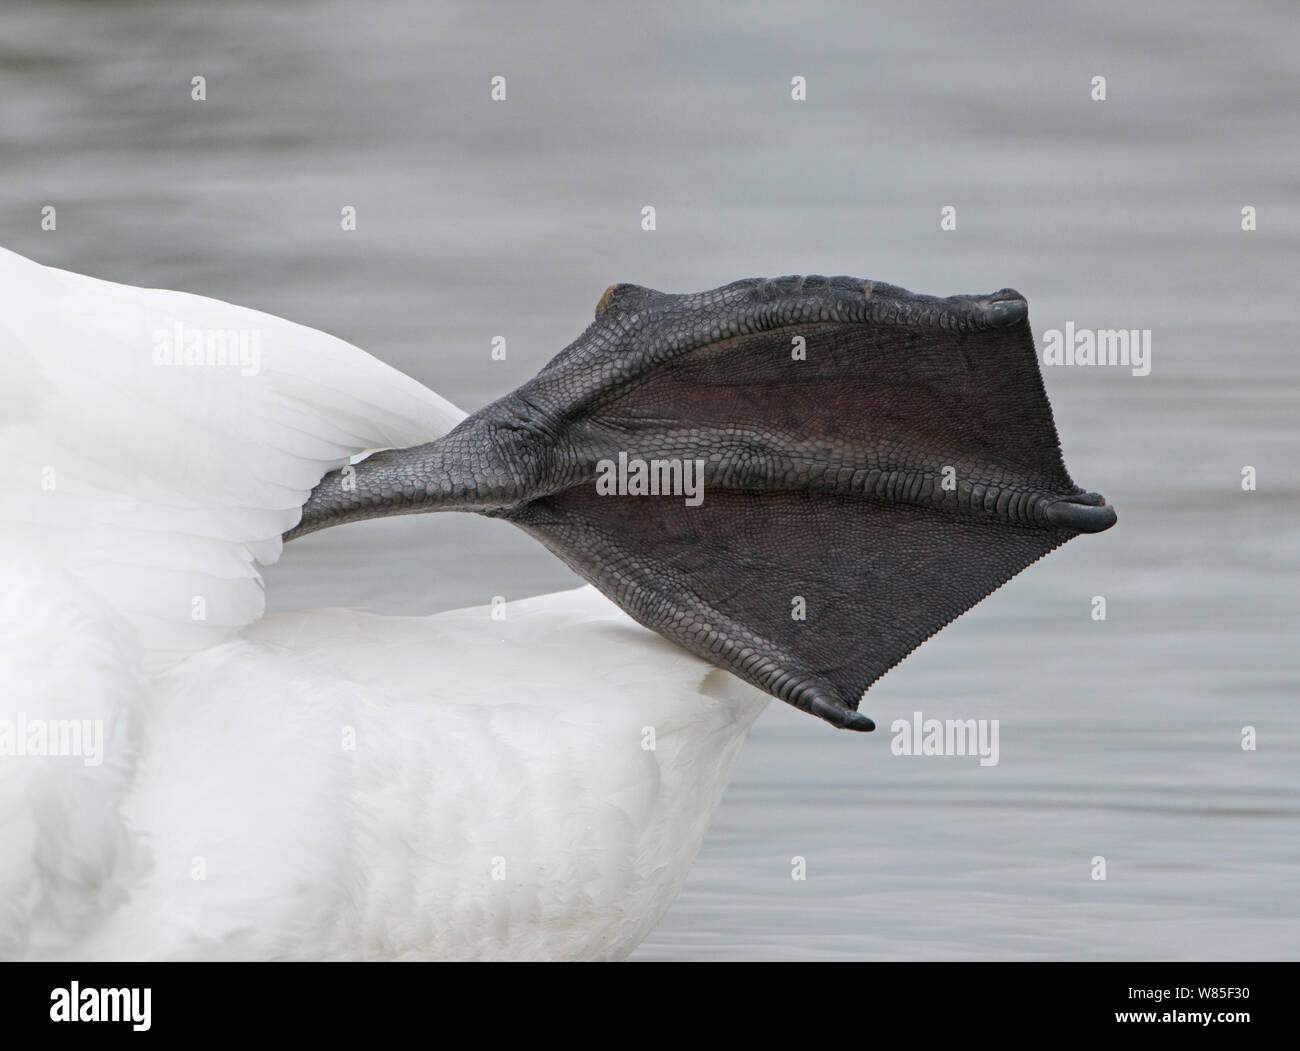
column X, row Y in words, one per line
column 324, row 784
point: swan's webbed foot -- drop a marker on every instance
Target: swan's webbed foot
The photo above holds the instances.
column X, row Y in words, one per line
column 827, row 471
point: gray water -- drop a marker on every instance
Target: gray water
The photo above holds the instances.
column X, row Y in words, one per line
column 1119, row 738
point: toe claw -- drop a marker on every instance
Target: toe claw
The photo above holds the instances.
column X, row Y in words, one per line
column 840, row 715
column 1081, row 514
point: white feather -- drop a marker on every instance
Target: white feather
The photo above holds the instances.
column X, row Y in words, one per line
column 162, row 485
column 317, row 785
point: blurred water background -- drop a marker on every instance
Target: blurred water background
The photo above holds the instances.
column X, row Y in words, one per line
column 476, row 218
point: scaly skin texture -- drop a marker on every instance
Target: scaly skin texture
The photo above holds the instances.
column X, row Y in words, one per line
column 876, row 462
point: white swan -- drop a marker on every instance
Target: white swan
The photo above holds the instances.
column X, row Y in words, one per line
column 315, row 785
